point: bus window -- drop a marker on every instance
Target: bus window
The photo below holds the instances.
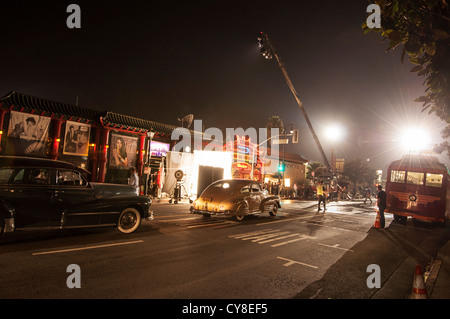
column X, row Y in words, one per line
column 434, row 180
column 397, row 176
column 415, row 178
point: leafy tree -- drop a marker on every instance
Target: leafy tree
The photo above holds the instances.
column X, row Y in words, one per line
column 275, row 122
column 422, row 29
column 369, row 175
column 312, row 167
column 358, row 171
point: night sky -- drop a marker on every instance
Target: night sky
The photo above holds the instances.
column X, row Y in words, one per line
column 163, row 60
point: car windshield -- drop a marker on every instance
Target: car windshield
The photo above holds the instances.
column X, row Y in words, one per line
column 226, row 185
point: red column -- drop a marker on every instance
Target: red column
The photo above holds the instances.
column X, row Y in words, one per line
column 140, row 161
column 95, row 154
column 2, row 117
column 56, row 138
column 103, row 152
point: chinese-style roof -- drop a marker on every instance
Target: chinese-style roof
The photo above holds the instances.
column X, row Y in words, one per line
column 30, row 104
column 115, row 120
column 25, row 103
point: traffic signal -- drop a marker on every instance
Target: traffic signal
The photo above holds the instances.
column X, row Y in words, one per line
column 264, row 44
column 295, row 136
column 281, row 167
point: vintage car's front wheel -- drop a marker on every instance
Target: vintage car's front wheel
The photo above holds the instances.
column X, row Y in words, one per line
column 274, row 210
column 129, row 220
column 240, row 213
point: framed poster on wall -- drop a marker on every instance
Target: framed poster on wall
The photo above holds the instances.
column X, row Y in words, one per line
column 76, row 139
column 122, row 151
column 28, row 134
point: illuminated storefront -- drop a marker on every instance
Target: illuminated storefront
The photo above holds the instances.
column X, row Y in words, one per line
column 246, row 161
column 105, row 143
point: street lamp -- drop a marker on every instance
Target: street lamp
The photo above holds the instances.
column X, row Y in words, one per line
column 334, row 133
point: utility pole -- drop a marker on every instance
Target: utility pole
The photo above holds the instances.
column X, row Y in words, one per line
column 268, row 51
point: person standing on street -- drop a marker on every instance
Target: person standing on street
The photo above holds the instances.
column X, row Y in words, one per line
column 367, row 195
column 381, row 203
column 134, row 179
column 321, row 195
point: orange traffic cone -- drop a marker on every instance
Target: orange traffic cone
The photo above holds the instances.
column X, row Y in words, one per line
column 418, row 290
column 377, row 221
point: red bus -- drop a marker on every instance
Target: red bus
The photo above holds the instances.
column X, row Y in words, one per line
column 418, row 186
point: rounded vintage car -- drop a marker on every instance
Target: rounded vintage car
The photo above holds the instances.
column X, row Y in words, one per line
column 38, row 193
column 237, row 198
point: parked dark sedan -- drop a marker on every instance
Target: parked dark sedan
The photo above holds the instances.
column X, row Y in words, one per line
column 237, row 198
column 42, row 193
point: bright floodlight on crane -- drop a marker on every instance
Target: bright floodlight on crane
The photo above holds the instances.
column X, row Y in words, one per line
column 264, row 45
column 415, row 140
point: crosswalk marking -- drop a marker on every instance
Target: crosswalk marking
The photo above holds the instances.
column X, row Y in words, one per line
column 289, row 241
column 264, row 237
column 252, row 233
column 271, row 235
column 274, row 239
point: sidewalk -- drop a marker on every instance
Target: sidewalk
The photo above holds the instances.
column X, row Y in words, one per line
column 440, row 276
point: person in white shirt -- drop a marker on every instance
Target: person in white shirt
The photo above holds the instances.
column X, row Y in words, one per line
column 134, row 179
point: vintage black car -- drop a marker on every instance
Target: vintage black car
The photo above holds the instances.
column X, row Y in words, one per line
column 236, row 198
column 42, row 193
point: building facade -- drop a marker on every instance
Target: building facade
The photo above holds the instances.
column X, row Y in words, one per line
column 108, row 144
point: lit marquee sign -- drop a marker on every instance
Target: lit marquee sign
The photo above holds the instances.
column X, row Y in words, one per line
column 159, row 149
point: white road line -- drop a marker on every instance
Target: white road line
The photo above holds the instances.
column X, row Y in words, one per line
column 291, row 262
column 86, row 248
column 274, row 239
column 257, row 236
column 289, row 241
column 336, row 246
column 267, row 236
column 239, row 236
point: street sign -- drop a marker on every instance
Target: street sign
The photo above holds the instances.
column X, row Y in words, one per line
column 281, row 141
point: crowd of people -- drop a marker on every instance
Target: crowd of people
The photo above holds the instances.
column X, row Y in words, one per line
column 300, row 191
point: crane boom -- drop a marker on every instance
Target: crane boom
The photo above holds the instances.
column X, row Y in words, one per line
column 268, row 51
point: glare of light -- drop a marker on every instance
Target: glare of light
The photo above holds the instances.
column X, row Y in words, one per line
column 415, row 140
column 335, row 133
column 287, row 182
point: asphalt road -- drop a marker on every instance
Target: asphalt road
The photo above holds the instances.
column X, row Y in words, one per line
column 300, row 253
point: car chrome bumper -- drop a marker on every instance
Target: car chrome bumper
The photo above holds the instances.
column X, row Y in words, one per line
column 209, row 212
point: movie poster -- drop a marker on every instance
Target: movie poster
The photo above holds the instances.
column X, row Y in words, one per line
column 28, row 134
column 122, row 151
column 76, row 139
